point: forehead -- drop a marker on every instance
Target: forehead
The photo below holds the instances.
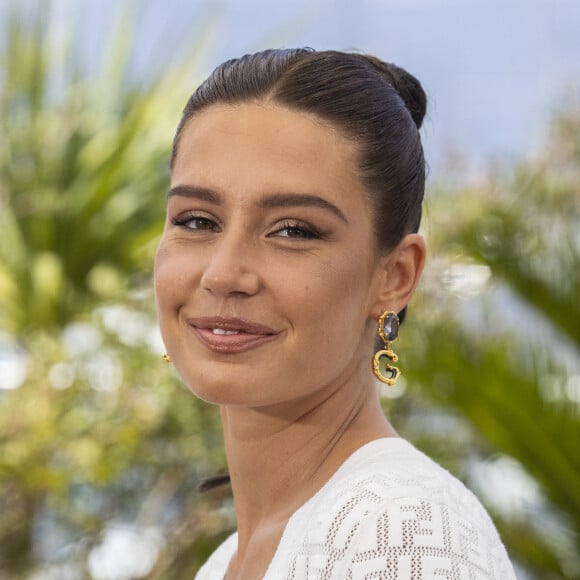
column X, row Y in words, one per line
column 269, row 122
column 263, row 145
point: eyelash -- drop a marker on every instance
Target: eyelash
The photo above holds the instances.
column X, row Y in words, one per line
column 183, row 220
column 304, row 231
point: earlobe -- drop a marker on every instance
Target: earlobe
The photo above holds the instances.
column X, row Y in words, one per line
column 400, row 273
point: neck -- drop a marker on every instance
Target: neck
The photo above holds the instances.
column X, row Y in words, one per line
column 279, row 457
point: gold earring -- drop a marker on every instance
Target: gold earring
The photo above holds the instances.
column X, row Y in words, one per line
column 389, row 332
column 166, row 358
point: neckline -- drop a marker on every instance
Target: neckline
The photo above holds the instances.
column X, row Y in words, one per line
column 358, row 456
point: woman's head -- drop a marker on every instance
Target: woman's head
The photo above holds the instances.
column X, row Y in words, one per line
column 377, row 105
column 282, row 243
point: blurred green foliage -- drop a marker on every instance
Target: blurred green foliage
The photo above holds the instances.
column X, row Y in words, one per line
column 100, row 435
column 497, row 339
column 100, row 432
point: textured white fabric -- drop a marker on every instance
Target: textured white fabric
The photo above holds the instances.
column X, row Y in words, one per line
column 389, row 512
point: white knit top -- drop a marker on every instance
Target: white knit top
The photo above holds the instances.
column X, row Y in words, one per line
column 388, row 512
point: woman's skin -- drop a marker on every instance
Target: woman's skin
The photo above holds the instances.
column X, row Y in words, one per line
column 269, row 241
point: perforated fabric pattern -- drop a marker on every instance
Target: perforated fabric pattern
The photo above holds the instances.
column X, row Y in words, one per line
column 389, row 513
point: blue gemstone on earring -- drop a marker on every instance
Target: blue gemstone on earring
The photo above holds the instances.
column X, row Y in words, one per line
column 391, row 327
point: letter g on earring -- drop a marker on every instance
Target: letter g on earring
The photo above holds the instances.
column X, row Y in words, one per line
column 389, row 332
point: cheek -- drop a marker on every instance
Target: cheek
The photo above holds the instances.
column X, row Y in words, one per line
column 169, row 276
column 345, row 280
column 160, row 273
column 333, row 296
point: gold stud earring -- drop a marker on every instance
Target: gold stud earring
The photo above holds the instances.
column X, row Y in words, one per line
column 389, row 332
column 166, row 358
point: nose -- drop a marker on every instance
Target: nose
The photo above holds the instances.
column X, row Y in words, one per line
column 230, row 268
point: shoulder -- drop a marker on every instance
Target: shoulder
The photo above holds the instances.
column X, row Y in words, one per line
column 391, row 472
column 391, row 508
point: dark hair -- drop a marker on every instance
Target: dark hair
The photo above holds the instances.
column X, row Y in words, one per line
column 378, row 105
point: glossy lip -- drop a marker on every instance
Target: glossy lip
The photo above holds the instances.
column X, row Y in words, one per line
column 251, row 334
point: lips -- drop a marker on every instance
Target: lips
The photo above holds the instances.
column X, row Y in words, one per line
column 230, row 335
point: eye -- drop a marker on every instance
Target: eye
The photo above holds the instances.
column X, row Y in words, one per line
column 193, row 222
column 296, row 230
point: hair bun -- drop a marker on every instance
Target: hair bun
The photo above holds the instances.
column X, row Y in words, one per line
column 408, row 87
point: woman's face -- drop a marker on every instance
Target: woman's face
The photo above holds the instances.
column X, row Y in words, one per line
column 266, row 275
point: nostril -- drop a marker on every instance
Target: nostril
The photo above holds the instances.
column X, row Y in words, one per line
column 233, row 283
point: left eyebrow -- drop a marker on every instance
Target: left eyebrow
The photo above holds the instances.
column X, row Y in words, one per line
column 300, row 200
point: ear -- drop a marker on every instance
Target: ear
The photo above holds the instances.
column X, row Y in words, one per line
column 399, row 274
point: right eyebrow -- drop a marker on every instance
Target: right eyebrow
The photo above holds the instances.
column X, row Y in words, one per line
column 192, row 192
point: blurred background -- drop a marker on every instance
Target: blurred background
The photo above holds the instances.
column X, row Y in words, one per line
column 101, row 447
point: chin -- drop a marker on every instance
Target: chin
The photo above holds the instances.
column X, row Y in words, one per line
column 220, row 383
column 222, row 392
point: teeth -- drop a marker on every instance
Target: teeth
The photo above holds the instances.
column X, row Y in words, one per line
column 222, row 331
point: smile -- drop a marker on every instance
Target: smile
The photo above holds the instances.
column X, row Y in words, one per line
column 230, row 335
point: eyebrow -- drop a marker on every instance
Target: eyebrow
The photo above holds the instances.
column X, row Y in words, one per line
column 271, row 201
column 300, row 200
column 201, row 193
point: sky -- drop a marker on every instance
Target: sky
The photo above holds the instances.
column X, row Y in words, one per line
column 495, row 71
